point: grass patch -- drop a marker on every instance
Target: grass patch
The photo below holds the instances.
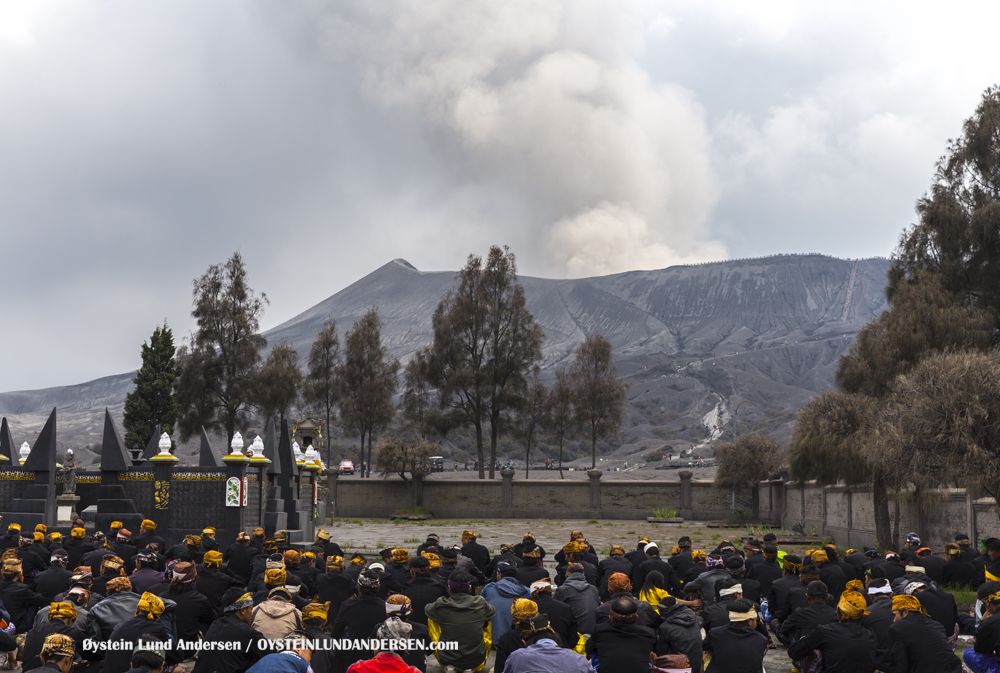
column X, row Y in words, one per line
column 592, row 521
column 664, row 513
column 696, row 532
column 630, row 532
column 411, row 539
column 964, row 597
column 608, row 524
column 412, row 510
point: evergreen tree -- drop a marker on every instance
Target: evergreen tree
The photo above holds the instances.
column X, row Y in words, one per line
column 322, row 381
column 485, row 343
column 417, row 401
column 743, row 465
column 529, row 416
column 368, row 380
column 219, row 366
column 560, row 421
column 277, row 383
column 598, row 392
column 153, row 401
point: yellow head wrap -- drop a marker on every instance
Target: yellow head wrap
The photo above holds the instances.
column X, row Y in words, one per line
column 58, row 645
column 193, row 541
column 357, row 561
column 856, row 585
column 274, row 577
column 910, row 603
column 118, row 584
column 819, row 556
column 434, row 559
column 573, row 547
column 62, row 611
column 39, row 536
column 213, row 559
column 400, row 556
column 523, row 608
column 852, row 605
column 55, row 537
column 698, row 556
column 316, row 610
column 148, row 524
column 617, row 550
column 335, row 562
column 151, row 605
column 41, row 528
column 308, row 555
column 77, row 533
column 468, row 533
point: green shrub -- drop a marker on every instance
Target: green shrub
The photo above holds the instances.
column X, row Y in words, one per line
column 654, row 456
column 664, row 513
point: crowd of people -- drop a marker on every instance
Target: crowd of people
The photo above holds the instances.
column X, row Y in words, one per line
column 197, row 607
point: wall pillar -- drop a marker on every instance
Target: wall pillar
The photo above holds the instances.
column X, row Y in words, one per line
column 595, row 490
column 507, row 491
column 687, row 502
column 331, row 494
column 236, row 468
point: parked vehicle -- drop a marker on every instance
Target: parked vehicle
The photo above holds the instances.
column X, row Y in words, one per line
column 347, row 467
column 437, row 464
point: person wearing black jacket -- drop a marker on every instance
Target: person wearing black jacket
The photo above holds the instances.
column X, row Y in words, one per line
column 766, row 571
column 421, row 589
column 145, row 625
column 654, row 562
column 573, row 553
column 328, row 548
column 17, row 598
column 617, row 563
column 780, row 588
column 147, row 534
column 507, row 556
column 194, row 611
column 621, row 645
column 682, row 562
column 637, row 556
column 531, row 571
column 239, row 557
column 917, row 643
column 805, row 619
column 986, row 651
column 213, row 582
column 314, row 618
column 892, row 566
column 957, row 572
column 123, row 547
column 526, row 544
column 830, row 574
column 432, row 543
column 940, row 606
column 56, row 579
column 234, row 626
column 479, row 554
column 76, row 546
column 879, row 617
column 847, row 646
column 59, row 622
column 737, row 647
column 334, row 587
column 359, row 617
column 559, row 614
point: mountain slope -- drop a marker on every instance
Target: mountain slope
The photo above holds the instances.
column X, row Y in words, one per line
column 692, row 341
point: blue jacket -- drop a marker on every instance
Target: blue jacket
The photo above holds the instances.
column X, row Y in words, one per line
column 280, row 662
column 501, row 596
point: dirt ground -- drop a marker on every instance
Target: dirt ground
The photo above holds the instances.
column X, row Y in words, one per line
column 367, row 536
column 645, row 472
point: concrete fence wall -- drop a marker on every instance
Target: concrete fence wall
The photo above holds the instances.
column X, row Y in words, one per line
column 508, row 497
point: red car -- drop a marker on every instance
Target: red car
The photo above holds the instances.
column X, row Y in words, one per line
column 346, row 467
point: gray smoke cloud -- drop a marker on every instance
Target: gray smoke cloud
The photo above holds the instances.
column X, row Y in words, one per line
column 547, row 97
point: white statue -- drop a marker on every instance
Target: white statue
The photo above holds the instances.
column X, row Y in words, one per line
column 25, row 450
column 237, row 445
column 257, row 448
column 164, row 444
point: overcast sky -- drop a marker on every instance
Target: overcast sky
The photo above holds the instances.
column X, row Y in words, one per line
column 142, row 142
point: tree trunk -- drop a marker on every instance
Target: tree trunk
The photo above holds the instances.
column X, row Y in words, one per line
column 326, row 439
column 560, row 457
column 895, row 525
column 593, row 447
column 880, row 500
column 527, row 455
column 494, row 432
column 368, row 465
column 479, row 448
column 755, row 501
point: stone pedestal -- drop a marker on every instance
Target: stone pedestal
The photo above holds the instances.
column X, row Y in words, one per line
column 66, row 508
column 595, row 490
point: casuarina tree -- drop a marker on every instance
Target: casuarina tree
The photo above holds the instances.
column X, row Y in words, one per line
column 485, row 343
column 598, row 392
column 153, row 401
column 323, row 379
column 396, row 456
column 529, row 415
column 219, row 364
column 741, row 466
column 560, row 420
column 368, row 382
column 278, row 383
